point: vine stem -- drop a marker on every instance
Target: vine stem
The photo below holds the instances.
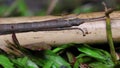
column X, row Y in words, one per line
column 110, row 39
column 109, row 33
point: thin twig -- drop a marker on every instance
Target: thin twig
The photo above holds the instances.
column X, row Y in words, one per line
column 11, row 8
column 109, row 34
column 51, row 6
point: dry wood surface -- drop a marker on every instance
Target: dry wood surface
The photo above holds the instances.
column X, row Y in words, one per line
column 95, row 31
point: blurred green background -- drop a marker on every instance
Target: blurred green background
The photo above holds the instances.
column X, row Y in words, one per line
column 10, row 8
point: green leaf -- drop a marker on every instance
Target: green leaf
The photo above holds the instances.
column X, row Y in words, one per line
column 57, row 60
column 31, row 64
column 20, row 62
column 5, row 62
column 48, row 64
column 62, row 47
column 82, row 59
column 100, row 65
column 24, row 63
column 99, row 56
column 71, row 57
column 94, row 52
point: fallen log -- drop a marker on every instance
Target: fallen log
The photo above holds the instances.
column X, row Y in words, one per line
column 95, row 31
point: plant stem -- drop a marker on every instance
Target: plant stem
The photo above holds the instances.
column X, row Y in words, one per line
column 11, row 8
column 110, row 39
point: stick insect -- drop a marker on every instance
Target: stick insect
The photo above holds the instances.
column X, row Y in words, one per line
column 49, row 25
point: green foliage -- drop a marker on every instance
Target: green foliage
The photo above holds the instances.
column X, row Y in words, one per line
column 93, row 57
column 20, row 5
column 84, row 10
column 56, row 60
column 24, row 63
column 41, row 13
column 64, row 46
column 2, row 9
column 93, row 52
column 22, row 8
column 50, row 59
column 5, row 62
